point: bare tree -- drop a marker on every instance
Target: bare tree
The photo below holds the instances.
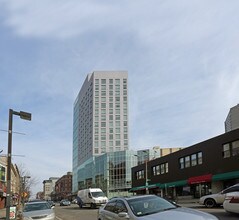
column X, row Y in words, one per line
column 27, row 181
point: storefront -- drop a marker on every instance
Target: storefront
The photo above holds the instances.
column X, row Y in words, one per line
column 204, row 168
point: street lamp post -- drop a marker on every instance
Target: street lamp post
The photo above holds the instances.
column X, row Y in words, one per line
column 25, row 116
column 146, row 174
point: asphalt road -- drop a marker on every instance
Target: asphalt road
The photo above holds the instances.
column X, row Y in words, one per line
column 74, row 212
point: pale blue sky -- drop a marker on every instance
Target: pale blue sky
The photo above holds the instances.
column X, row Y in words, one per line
column 182, row 58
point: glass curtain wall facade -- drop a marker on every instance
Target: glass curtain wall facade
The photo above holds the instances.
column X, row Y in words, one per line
column 100, row 120
column 111, row 172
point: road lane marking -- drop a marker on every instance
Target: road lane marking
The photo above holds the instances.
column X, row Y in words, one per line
column 59, row 218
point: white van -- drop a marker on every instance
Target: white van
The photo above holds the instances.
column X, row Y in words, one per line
column 92, row 197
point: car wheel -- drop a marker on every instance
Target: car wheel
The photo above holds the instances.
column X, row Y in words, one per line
column 209, row 203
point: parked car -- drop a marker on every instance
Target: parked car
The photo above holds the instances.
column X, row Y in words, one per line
column 148, row 207
column 231, row 202
column 218, row 198
column 65, row 202
column 38, row 210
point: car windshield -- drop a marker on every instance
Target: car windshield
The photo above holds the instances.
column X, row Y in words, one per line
column 149, row 205
column 97, row 194
column 36, row 207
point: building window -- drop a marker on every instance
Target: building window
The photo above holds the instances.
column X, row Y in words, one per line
column 117, row 81
column 156, row 170
column 160, row 169
column 111, row 111
column 117, row 117
column 194, row 160
column 103, row 105
column 117, row 111
column 2, row 173
column 226, row 150
column 190, row 160
column 103, row 81
column 103, row 117
column 117, row 123
column 231, row 149
column 103, row 87
column 117, row 99
column 166, row 167
column 199, row 157
column 235, row 148
column 140, row 174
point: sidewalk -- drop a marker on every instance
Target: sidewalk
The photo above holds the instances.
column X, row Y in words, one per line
column 3, row 214
column 189, row 203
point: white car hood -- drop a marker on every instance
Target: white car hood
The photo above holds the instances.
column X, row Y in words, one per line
column 38, row 213
column 180, row 214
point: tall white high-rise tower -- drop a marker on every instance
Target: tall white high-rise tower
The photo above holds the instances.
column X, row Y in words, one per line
column 232, row 120
column 100, row 116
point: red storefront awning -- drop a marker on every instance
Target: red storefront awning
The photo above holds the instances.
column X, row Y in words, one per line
column 200, row 179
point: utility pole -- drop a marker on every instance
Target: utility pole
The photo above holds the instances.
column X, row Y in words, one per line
column 25, row 116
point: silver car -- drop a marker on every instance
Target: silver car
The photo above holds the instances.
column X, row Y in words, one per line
column 38, row 210
column 148, row 207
